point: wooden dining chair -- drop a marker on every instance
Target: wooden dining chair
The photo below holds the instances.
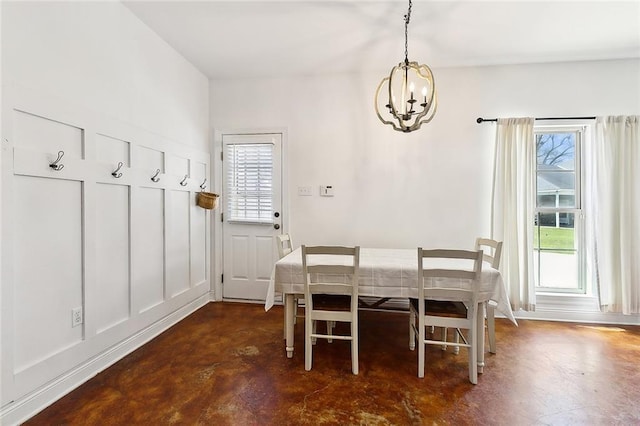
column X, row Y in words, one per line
column 331, row 294
column 430, row 289
column 285, row 246
column 492, row 250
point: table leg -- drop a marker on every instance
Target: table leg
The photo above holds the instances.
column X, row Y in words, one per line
column 289, row 317
column 480, row 336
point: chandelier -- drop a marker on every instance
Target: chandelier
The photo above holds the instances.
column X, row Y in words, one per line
column 398, row 92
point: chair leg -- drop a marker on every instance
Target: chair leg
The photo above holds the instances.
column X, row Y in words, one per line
column 308, row 346
column 354, row 348
column 421, row 347
column 473, row 353
column 412, row 333
column 456, row 349
column 491, row 328
column 330, row 326
column 444, row 338
column 314, row 328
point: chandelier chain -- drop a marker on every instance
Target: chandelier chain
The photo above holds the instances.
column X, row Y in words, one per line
column 407, row 18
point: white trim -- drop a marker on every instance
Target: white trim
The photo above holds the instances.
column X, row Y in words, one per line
column 566, row 302
column 22, row 409
column 579, row 317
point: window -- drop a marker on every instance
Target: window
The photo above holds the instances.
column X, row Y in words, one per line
column 249, row 189
column 559, row 231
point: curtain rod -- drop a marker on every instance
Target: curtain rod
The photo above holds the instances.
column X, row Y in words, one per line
column 481, row 120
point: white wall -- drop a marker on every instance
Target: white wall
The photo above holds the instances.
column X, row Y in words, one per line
column 100, row 56
column 94, row 66
column 431, row 187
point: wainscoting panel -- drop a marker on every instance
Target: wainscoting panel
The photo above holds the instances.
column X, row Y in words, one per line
column 178, row 243
column 47, row 248
column 112, row 150
column 149, row 160
column 93, row 257
column 44, row 134
column 113, row 289
column 199, row 230
column 148, row 249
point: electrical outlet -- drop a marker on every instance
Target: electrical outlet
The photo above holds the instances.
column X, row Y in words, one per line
column 76, row 317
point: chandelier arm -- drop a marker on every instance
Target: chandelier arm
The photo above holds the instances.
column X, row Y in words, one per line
column 430, row 117
column 386, row 79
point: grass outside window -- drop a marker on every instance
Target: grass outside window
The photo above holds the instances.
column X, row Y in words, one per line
column 550, row 238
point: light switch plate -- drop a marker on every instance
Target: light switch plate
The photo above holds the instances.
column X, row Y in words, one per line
column 304, row 190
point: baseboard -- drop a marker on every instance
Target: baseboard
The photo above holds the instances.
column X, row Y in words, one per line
column 250, row 301
column 26, row 407
column 580, row 317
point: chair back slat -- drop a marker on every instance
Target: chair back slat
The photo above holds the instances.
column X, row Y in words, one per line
column 330, row 269
column 285, row 245
column 424, row 272
column 328, row 265
column 449, row 294
column 331, row 250
column 492, row 250
column 331, row 288
column 449, row 273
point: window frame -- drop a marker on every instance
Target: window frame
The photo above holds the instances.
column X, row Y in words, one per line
column 581, row 132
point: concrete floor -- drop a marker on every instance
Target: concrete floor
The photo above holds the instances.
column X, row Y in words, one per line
column 226, row 365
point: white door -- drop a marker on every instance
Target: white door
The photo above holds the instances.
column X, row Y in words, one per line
column 252, row 215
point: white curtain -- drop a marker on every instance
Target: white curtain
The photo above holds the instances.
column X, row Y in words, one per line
column 614, row 166
column 513, row 207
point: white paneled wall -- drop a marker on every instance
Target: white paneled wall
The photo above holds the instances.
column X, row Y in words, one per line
column 100, row 85
column 124, row 249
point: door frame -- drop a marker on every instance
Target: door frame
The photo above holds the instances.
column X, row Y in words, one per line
column 216, row 185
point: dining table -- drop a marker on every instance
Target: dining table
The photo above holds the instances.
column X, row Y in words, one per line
column 386, row 273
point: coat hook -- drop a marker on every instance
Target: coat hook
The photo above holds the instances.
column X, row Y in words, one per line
column 115, row 173
column 55, row 166
column 203, row 185
column 183, row 182
column 155, row 177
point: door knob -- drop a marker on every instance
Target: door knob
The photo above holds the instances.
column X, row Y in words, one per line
column 276, row 226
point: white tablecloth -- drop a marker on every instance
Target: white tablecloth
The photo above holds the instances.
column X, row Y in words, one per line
column 389, row 273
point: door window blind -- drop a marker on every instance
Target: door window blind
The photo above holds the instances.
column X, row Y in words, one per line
column 249, row 182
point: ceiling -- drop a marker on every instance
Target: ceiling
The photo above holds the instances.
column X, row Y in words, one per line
column 251, row 39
